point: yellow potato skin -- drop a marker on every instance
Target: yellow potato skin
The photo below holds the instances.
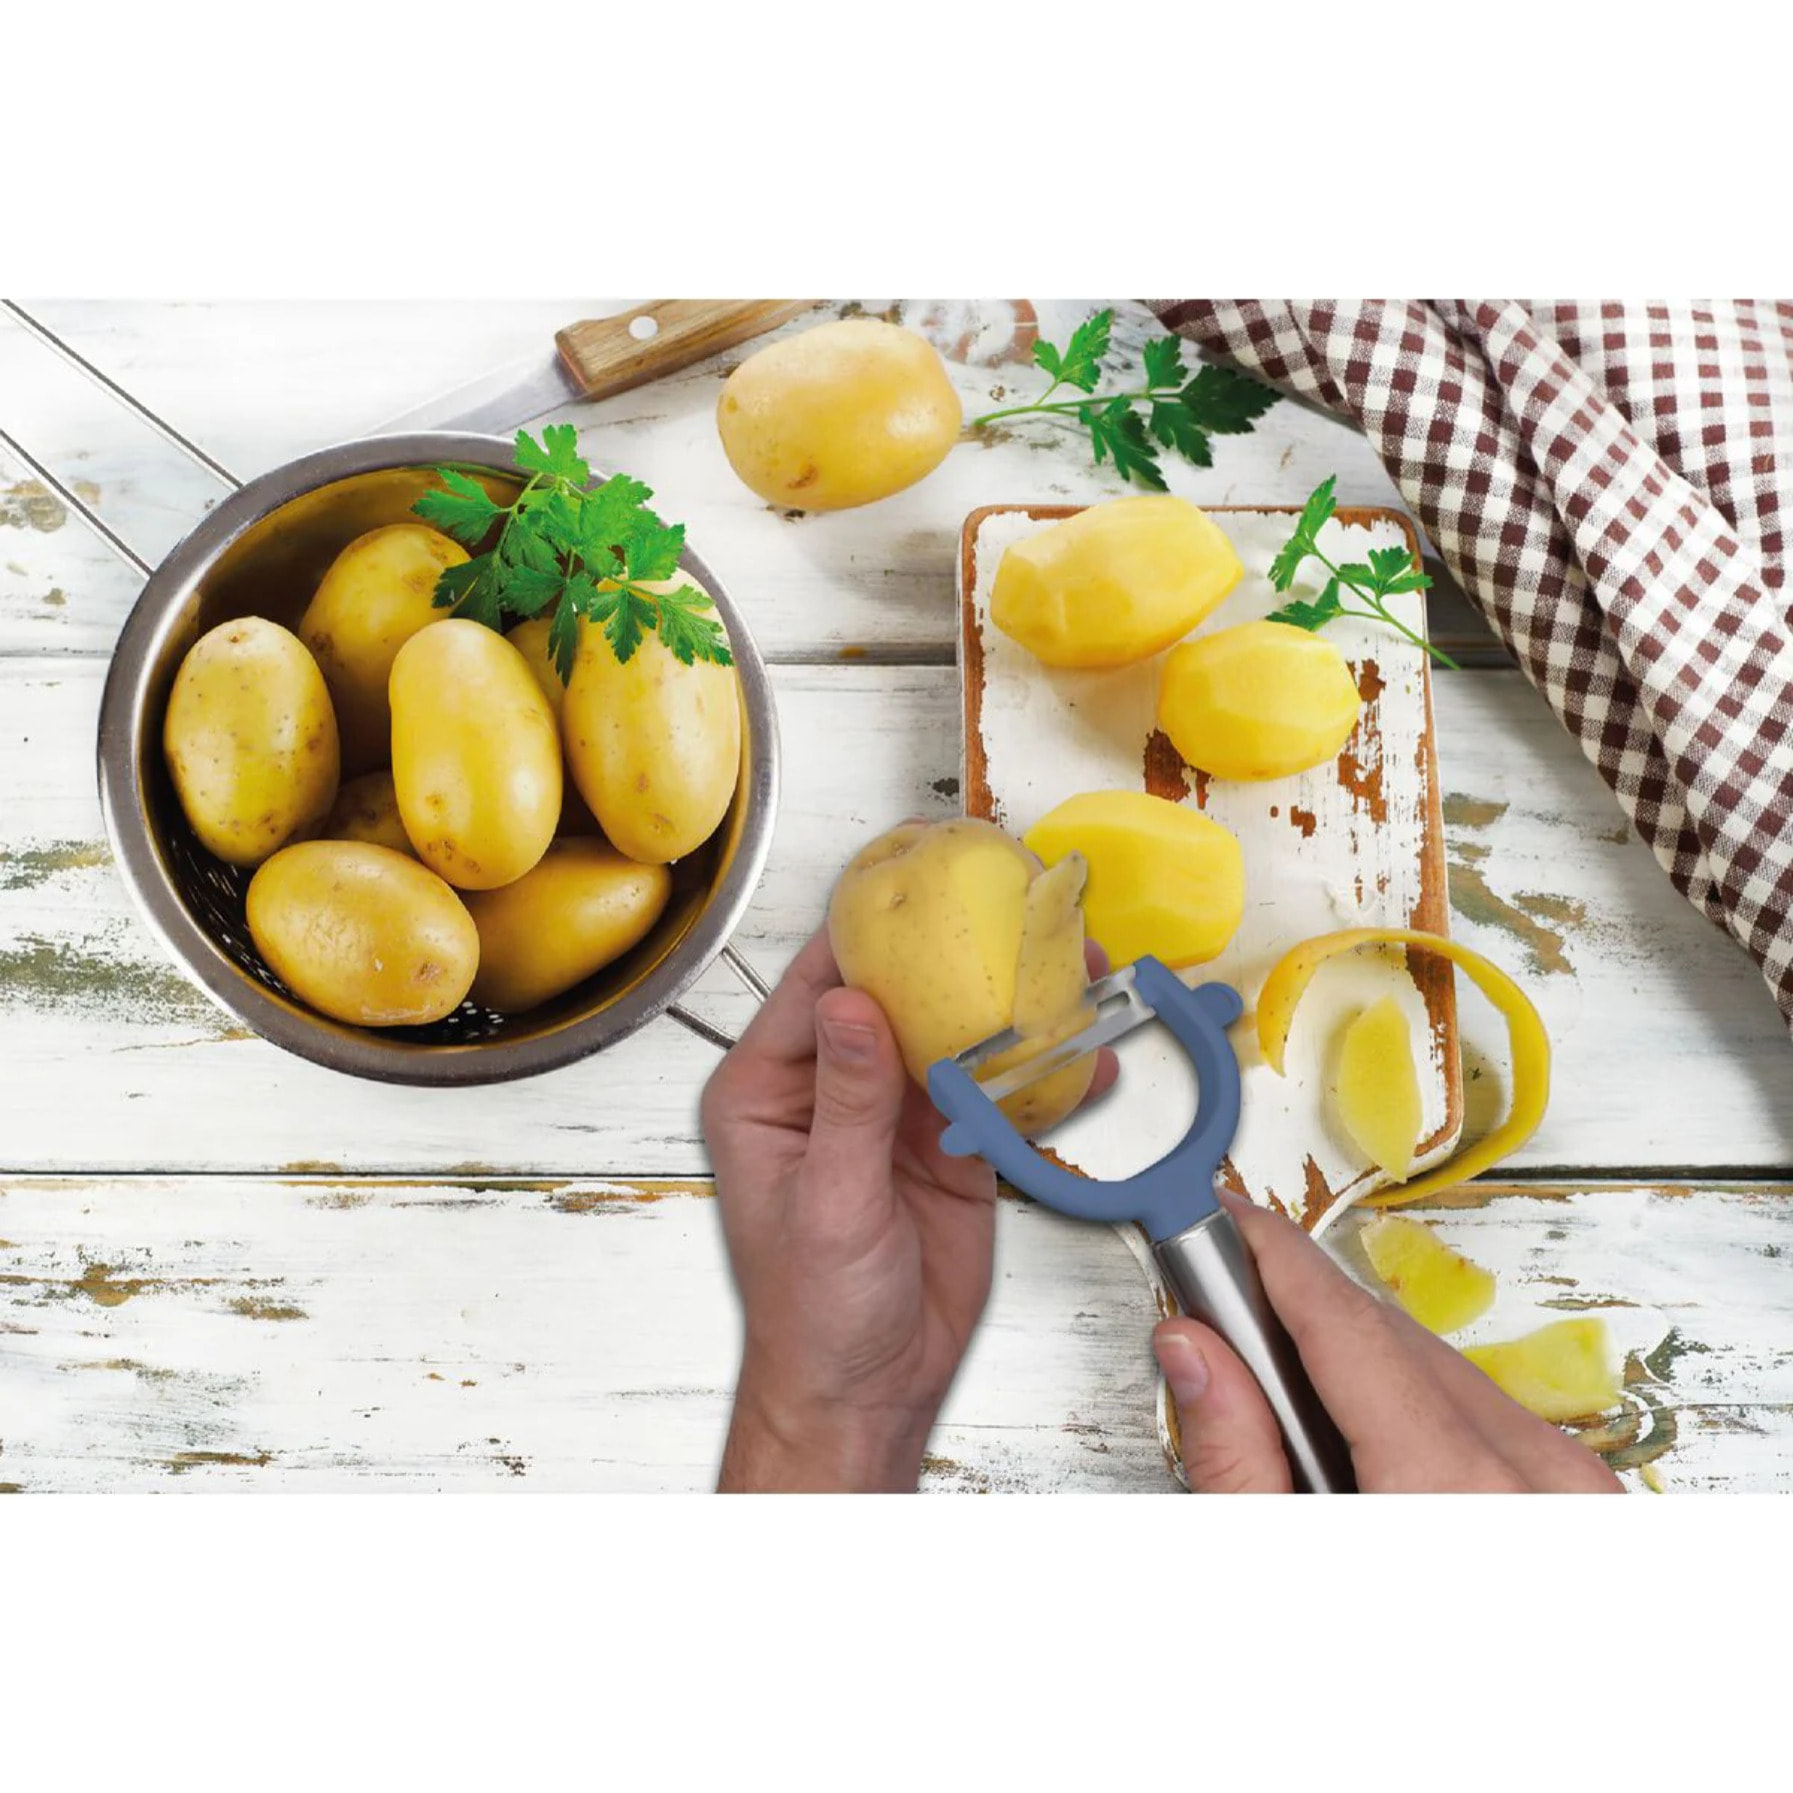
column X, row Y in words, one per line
column 530, row 639
column 1163, row 878
column 1259, row 700
column 363, row 934
column 378, row 593
column 581, row 907
column 929, row 920
column 838, row 416
column 1114, row 584
column 250, row 740
column 654, row 746
column 366, row 808
column 475, row 755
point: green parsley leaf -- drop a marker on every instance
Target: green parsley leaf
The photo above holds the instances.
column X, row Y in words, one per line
column 1388, row 563
column 1315, row 615
column 1080, row 364
column 563, row 631
column 1164, row 361
column 1314, row 516
column 1176, row 429
column 461, row 510
column 474, row 589
column 1226, row 403
column 651, row 550
column 1117, row 434
column 556, row 455
column 689, row 628
column 528, row 591
column 623, row 628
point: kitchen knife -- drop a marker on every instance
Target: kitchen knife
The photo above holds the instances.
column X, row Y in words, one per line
column 597, row 358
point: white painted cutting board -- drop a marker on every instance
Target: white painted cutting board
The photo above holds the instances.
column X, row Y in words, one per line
column 1356, row 842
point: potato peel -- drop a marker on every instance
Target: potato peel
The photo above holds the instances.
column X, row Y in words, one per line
column 1528, row 1042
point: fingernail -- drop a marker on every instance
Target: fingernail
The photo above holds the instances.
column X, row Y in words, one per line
column 847, row 1041
column 1184, row 1367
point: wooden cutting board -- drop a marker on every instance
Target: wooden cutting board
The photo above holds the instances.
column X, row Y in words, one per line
column 1357, row 842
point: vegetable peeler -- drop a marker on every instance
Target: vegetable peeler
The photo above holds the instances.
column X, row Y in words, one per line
column 1201, row 1252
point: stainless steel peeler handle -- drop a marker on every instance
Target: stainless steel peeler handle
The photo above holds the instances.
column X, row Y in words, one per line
column 1210, row 1268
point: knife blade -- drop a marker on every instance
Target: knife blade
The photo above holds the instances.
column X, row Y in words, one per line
column 596, row 359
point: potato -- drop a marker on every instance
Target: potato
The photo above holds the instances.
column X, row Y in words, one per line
column 1116, row 583
column 1560, row 1372
column 1378, row 1087
column 366, row 808
column 1439, row 1287
column 958, row 934
column 250, row 740
column 579, row 908
column 1163, row 879
column 362, row 933
column 530, row 639
column 1259, row 700
column 378, row 593
column 654, row 746
column 475, row 755
column 840, row 415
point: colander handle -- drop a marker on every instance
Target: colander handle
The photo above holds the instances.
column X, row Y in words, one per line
column 1210, row 1269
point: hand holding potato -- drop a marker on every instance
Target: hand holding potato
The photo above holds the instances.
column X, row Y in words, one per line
column 862, row 1251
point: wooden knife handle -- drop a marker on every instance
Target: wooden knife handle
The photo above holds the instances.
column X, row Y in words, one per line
column 605, row 356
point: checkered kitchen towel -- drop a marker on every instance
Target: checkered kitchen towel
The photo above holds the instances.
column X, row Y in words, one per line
column 1606, row 483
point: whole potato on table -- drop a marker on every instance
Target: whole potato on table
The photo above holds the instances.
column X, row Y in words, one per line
column 957, row 933
column 837, row 416
column 379, row 591
column 654, row 745
column 1116, row 583
column 475, row 755
column 362, row 933
column 250, row 740
column 366, row 808
column 581, row 907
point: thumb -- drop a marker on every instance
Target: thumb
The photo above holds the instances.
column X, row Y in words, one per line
column 860, row 1088
column 1231, row 1444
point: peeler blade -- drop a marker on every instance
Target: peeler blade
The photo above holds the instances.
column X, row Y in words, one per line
column 1118, row 1009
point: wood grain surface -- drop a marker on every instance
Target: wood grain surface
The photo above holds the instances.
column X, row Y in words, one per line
column 224, row 1268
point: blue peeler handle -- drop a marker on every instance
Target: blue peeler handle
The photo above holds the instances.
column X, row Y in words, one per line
column 1201, row 1252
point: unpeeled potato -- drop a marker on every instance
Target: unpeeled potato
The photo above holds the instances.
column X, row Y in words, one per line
column 654, row 745
column 958, row 933
column 475, row 755
column 837, row 416
column 379, row 591
column 366, row 808
column 362, row 933
column 582, row 906
column 250, row 740
column 1258, row 700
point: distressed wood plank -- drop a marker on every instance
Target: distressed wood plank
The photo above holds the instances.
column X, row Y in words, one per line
column 309, row 1334
column 317, row 1333
column 259, row 384
column 1669, row 1052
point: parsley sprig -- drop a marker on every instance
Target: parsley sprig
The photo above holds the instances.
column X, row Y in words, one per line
column 1389, row 572
column 1172, row 409
column 583, row 551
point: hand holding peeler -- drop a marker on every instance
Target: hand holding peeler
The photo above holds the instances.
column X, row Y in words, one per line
column 1201, row 1252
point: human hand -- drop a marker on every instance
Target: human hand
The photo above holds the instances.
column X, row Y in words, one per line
column 861, row 1250
column 1418, row 1416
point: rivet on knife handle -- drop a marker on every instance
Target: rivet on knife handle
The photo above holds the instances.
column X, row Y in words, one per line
column 611, row 355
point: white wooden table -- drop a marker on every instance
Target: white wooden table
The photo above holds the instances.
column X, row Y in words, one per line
column 223, row 1268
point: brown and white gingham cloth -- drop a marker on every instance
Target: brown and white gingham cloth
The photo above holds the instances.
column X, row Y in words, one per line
column 1606, row 482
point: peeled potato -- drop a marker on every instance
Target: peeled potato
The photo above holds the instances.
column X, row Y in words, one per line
column 1259, row 700
column 1439, row 1287
column 1378, row 1087
column 1164, row 879
column 1560, row 1372
column 838, row 416
column 1116, row 583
